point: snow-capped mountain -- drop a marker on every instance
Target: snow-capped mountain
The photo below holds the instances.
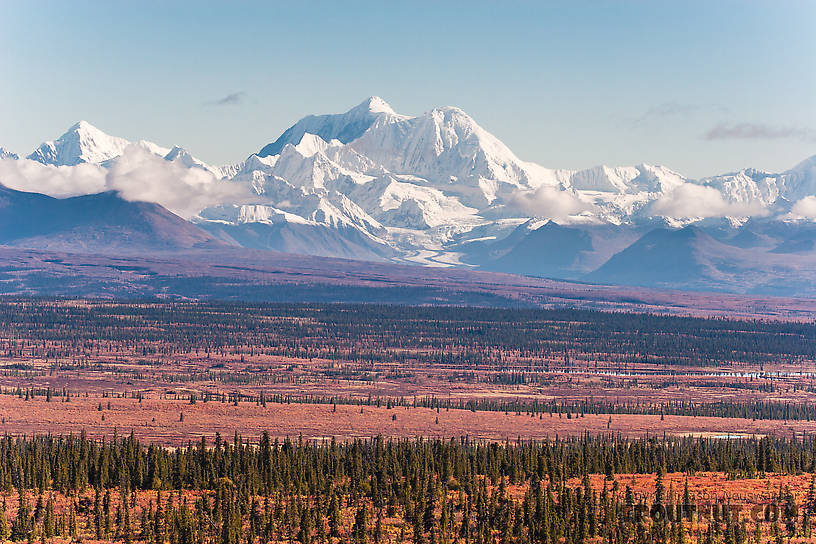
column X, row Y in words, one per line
column 182, row 156
column 435, row 186
column 801, row 180
column 449, row 150
column 438, row 189
column 344, row 127
column 82, row 143
column 6, row 154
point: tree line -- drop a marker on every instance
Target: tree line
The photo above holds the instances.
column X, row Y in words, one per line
column 387, row 490
column 447, row 336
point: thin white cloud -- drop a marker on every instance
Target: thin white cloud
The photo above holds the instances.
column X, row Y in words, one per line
column 548, row 202
column 690, row 200
column 674, row 109
column 758, row 131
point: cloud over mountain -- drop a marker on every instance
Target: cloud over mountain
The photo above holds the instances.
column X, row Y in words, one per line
column 137, row 175
column 550, row 202
column 690, row 200
column 59, row 181
column 140, row 175
column 805, row 208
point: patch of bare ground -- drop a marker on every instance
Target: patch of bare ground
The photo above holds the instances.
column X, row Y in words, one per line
column 175, row 422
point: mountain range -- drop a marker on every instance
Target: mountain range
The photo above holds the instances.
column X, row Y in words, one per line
column 434, row 189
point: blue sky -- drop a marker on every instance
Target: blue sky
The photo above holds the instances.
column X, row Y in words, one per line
column 702, row 87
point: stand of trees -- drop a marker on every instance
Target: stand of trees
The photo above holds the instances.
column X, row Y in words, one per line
column 485, row 338
column 371, row 491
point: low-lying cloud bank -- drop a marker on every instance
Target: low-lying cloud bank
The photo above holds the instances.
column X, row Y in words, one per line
column 550, row 202
column 137, row 175
column 58, row 181
column 690, row 200
column 804, row 208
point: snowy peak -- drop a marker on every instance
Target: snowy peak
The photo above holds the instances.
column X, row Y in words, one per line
column 310, row 144
column 748, row 186
column 374, row 104
column 85, row 143
column 84, row 127
column 802, row 179
column 82, row 143
column 182, row 156
column 5, row 154
column 807, row 165
column 604, row 178
column 150, row 147
column 254, row 163
column 657, row 179
column 452, row 152
column 345, row 127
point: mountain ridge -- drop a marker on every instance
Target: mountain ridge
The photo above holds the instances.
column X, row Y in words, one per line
column 101, row 223
column 344, row 127
column 437, row 189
